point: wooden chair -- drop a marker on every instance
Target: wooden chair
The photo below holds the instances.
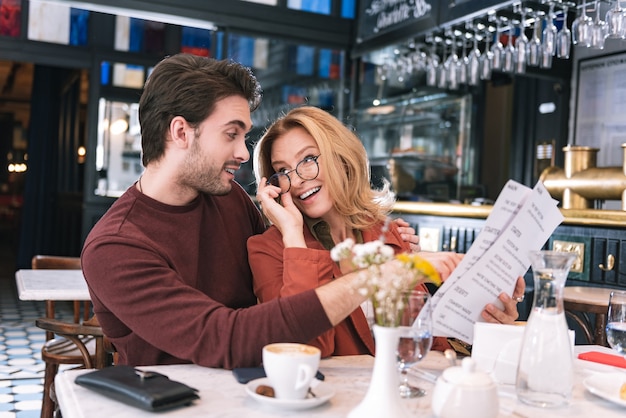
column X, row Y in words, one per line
column 77, row 343
column 61, row 263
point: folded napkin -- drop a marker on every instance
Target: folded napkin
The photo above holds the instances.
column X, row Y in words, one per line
column 604, row 358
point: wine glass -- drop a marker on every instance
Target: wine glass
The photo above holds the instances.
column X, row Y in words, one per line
column 497, row 49
column 508, row 56
column 432, row 65
column 473, row 63
column 563, row 38
column 485, row 59
column 616, row 321
column 599, row 30
column 581, row 28
column 416, row 338
column 521, row 45
column 534, row 45
column 616, row 19
column 549, row 33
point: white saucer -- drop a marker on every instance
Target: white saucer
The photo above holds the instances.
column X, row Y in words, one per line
column 607, row 386
column 322, row 394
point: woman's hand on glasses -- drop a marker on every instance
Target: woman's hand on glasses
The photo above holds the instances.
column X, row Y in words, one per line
column 284, row 215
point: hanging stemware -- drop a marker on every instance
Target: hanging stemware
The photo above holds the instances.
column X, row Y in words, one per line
column 473, row 63
column 521, row 45
column 581, row 28
column 548, row 42
column 486, row 59
column 432, row 65
column 452, row 64
column 497, row 49
column 563, row 38
column 599, row 30
column 534, row 45
column 508, row 57
column 616, row 19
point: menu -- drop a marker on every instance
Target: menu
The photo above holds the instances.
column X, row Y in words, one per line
column 521, row 220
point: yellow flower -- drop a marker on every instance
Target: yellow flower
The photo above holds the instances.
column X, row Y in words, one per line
column 421, row 267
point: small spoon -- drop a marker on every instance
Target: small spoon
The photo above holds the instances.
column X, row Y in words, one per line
column 450, row 354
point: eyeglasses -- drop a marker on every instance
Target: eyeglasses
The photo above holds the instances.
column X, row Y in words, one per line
column 307, row 169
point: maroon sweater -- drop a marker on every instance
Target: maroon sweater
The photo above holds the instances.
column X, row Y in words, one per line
column 172, row 284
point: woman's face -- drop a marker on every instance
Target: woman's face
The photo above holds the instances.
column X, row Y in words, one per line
column 310, row 196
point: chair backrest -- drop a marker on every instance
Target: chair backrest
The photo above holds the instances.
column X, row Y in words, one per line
column 61, row 263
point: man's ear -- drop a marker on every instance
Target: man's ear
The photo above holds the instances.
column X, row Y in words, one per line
column 179, row 129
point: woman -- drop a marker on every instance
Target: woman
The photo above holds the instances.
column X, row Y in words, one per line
column 314, row 187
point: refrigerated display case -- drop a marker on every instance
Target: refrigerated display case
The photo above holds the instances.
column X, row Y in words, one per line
column 422, row 146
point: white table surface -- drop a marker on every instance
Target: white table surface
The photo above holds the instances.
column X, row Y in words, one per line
column 222, row 396
column 44, row 284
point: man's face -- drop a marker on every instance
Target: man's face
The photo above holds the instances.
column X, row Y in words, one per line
column 219, row 148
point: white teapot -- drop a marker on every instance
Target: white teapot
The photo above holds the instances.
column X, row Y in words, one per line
column 464, row 392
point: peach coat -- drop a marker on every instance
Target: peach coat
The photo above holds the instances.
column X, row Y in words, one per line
column 279, row 272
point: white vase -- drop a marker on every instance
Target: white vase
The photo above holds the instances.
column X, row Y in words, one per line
column 383, row 395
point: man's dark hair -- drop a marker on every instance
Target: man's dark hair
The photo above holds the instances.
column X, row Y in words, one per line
column 189, row 86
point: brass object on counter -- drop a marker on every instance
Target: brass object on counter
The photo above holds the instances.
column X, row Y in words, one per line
column 580, row 182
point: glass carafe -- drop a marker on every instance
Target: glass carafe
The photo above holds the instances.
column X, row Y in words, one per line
column 545, row 370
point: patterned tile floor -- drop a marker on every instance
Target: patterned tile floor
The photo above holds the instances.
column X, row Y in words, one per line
column 21, row 368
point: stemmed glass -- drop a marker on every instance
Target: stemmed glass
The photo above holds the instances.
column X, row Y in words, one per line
column 521, row 46
column 534, row 46
column 416, row 338
column 508, row 56
column 616, row 321
column 432, row 65
column 616, row 19
column 486, row 59
column 549, row 33
column 442, row 70
column 581, row 28
column 452, row 65
column 599, row 30
column 473, row 63
column 463, row 61
column 563, row 38
column 497, row 49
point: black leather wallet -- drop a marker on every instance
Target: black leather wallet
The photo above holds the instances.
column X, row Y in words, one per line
column 143, row 389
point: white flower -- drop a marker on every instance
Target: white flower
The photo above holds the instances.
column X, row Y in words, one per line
column 382, row 281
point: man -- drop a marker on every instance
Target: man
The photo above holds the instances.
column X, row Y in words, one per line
column 167, row 264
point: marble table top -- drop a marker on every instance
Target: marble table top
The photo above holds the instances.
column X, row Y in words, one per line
column 51, row 284
column 221, row 395
column 597, row 296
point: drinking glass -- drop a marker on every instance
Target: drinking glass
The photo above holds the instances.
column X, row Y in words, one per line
column 563, row 38
column 463, row 61
column 486, row 59
column 581, row 28
column 616, row 321
column 416, row 338
column 521, row 46
column 508, row 56
column 442, row 69
column 473, row 64
column 432, row 66
column 548, row 43
column 452, row 66
column 497, row 49
column 599, row 30
column 616, row 19
column 534, row 45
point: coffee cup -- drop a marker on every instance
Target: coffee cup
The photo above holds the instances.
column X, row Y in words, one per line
column 290, row 368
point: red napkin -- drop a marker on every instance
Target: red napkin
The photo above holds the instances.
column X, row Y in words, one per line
column 604, row 358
